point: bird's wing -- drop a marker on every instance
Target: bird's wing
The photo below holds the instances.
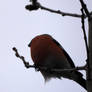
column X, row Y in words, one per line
column 65, row 53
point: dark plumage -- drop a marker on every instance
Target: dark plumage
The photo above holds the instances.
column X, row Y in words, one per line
column 47, row 52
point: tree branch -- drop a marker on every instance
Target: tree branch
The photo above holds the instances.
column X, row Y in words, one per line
column 85, row 8
column 84, row 32
column 36, row 5
column 89, row 72
column 27, row 65
column 60, row 12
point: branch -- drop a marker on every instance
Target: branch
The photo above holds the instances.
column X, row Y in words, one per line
column 37, row 5
column 84, row 32
column 90, row 13
column 85, row 8
column 60, row 12
column 33, row 2
column 27, row 65
column 63, row 13
column 89, row 71
column 33, row 6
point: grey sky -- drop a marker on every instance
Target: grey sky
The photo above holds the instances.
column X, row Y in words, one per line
column 19, row 26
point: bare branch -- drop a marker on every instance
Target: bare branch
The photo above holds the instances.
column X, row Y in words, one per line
column 36, row 5
column 90, row 13
column 84, row 32
column 63, row 13
column 34, row 2
column 72, row 69
column 33, row 6
column 60, row 12
column 85, row 8
column 27, row 65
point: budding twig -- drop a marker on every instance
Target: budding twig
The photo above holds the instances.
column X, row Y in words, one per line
column 27, row 65
column 36, row 5
column 60, row 12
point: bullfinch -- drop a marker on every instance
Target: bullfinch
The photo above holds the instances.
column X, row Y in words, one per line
column 47, row 52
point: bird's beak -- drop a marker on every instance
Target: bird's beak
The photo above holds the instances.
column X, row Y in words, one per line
column 29, row 44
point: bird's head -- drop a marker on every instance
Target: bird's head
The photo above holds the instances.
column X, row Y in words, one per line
column 39, row 37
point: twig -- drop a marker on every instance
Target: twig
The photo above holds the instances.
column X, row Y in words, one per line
column 62, row 70
column 85, row 8
column 33, row 2
column 27, row 65
column 90, row 13
column 60, row 12
column 84, row 32
column 36, row 5
column 64, row 13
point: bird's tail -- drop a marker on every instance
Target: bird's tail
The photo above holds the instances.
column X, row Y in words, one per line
column 78, row 77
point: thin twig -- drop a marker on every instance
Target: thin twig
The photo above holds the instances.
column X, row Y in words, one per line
column 36, row 5
column 85, row 8
column 84, row 32
column 27, row 65
column 60, row 12
column 62, row 70
column 33, row 2
column 63, row 13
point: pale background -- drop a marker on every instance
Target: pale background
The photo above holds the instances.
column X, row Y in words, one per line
column 18, row 26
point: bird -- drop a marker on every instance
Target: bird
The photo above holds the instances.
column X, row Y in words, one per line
column 47, row 52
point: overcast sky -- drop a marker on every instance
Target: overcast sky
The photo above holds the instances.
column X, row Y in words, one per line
column 18, row 26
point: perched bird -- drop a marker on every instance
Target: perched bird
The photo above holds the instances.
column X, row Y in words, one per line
column 47, row 52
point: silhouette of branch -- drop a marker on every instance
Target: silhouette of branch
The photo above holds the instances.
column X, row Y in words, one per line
column 36, row 5
column 63, row 13
column 90, row 13
column 85, row 8
column 33, row 2
column 60, row 12
column 27, row 65
column 84, row 32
